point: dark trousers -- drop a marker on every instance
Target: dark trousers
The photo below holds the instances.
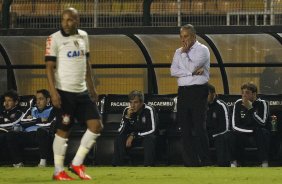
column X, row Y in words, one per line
column 221, row 143
column 239, row 140
column 17, row 141
column 120, row 150
column 191, row 115
column 4, row 152
column 3, row 140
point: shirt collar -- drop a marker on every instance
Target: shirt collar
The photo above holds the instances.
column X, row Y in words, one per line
column 46, row 107
column 195, row 45
column 65, row 34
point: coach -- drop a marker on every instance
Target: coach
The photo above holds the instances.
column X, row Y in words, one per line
column 190, row 66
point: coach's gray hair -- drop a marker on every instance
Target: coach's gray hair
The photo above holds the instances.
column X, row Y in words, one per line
column 136, row 93
column 190, row 28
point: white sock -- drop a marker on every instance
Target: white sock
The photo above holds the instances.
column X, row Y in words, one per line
column 42, row 162
column 59, row 148
column 264, row 163
column 234, row 163
column 86, row 143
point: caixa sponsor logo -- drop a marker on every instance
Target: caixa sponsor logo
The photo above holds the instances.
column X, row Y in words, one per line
column 75, row 53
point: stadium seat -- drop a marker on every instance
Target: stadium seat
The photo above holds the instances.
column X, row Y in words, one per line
column 79, row 6
column 129, row 8
column 116, row 7
column 253, row 5
column 225, row 6
column 165, row 106
column 185, row 7
column 211, row 7
column 22, row 8
column 113, row 109
column 198, row 6
column 103, row 7
column 112, row 113
column 46, row 8
column 157, row 8
column 277, row 6
column 171, row 8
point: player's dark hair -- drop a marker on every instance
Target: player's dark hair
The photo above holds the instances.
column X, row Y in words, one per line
column 44, row 92
column 12, row 94
column 250, row 86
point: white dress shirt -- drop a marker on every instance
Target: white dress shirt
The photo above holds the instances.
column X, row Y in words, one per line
column 184, row 64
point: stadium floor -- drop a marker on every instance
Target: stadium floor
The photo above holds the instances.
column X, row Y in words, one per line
column 148, row 175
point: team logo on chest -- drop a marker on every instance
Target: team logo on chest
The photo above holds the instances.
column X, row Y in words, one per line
column 66, row 119
column 76, row 53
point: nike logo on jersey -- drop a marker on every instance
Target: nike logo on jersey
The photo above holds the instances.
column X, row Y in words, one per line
column 65, row 43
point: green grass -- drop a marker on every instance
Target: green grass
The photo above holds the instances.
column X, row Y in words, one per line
column 148, row 175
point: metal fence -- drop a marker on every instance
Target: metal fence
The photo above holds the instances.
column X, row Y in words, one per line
column 128, row 13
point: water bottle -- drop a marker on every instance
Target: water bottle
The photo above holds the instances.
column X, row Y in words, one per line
column 273, row 123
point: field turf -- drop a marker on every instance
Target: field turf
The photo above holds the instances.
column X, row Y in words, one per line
column 148, row 175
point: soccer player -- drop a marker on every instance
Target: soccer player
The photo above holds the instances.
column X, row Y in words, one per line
column 72, row 92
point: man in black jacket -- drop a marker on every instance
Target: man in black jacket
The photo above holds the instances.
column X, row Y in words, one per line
column 218, row 126
column 249, row 119
column 10, row 118
column 138, row 124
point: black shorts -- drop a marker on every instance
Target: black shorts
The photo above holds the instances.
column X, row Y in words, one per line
column 75, row 106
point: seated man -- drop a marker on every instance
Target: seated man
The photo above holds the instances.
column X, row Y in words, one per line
column 249, row 119
column 138, row 124
column 37, row 130
column 218, row 126
column 9, row 117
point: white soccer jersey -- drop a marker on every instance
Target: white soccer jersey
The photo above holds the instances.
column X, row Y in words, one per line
column 70, row 54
